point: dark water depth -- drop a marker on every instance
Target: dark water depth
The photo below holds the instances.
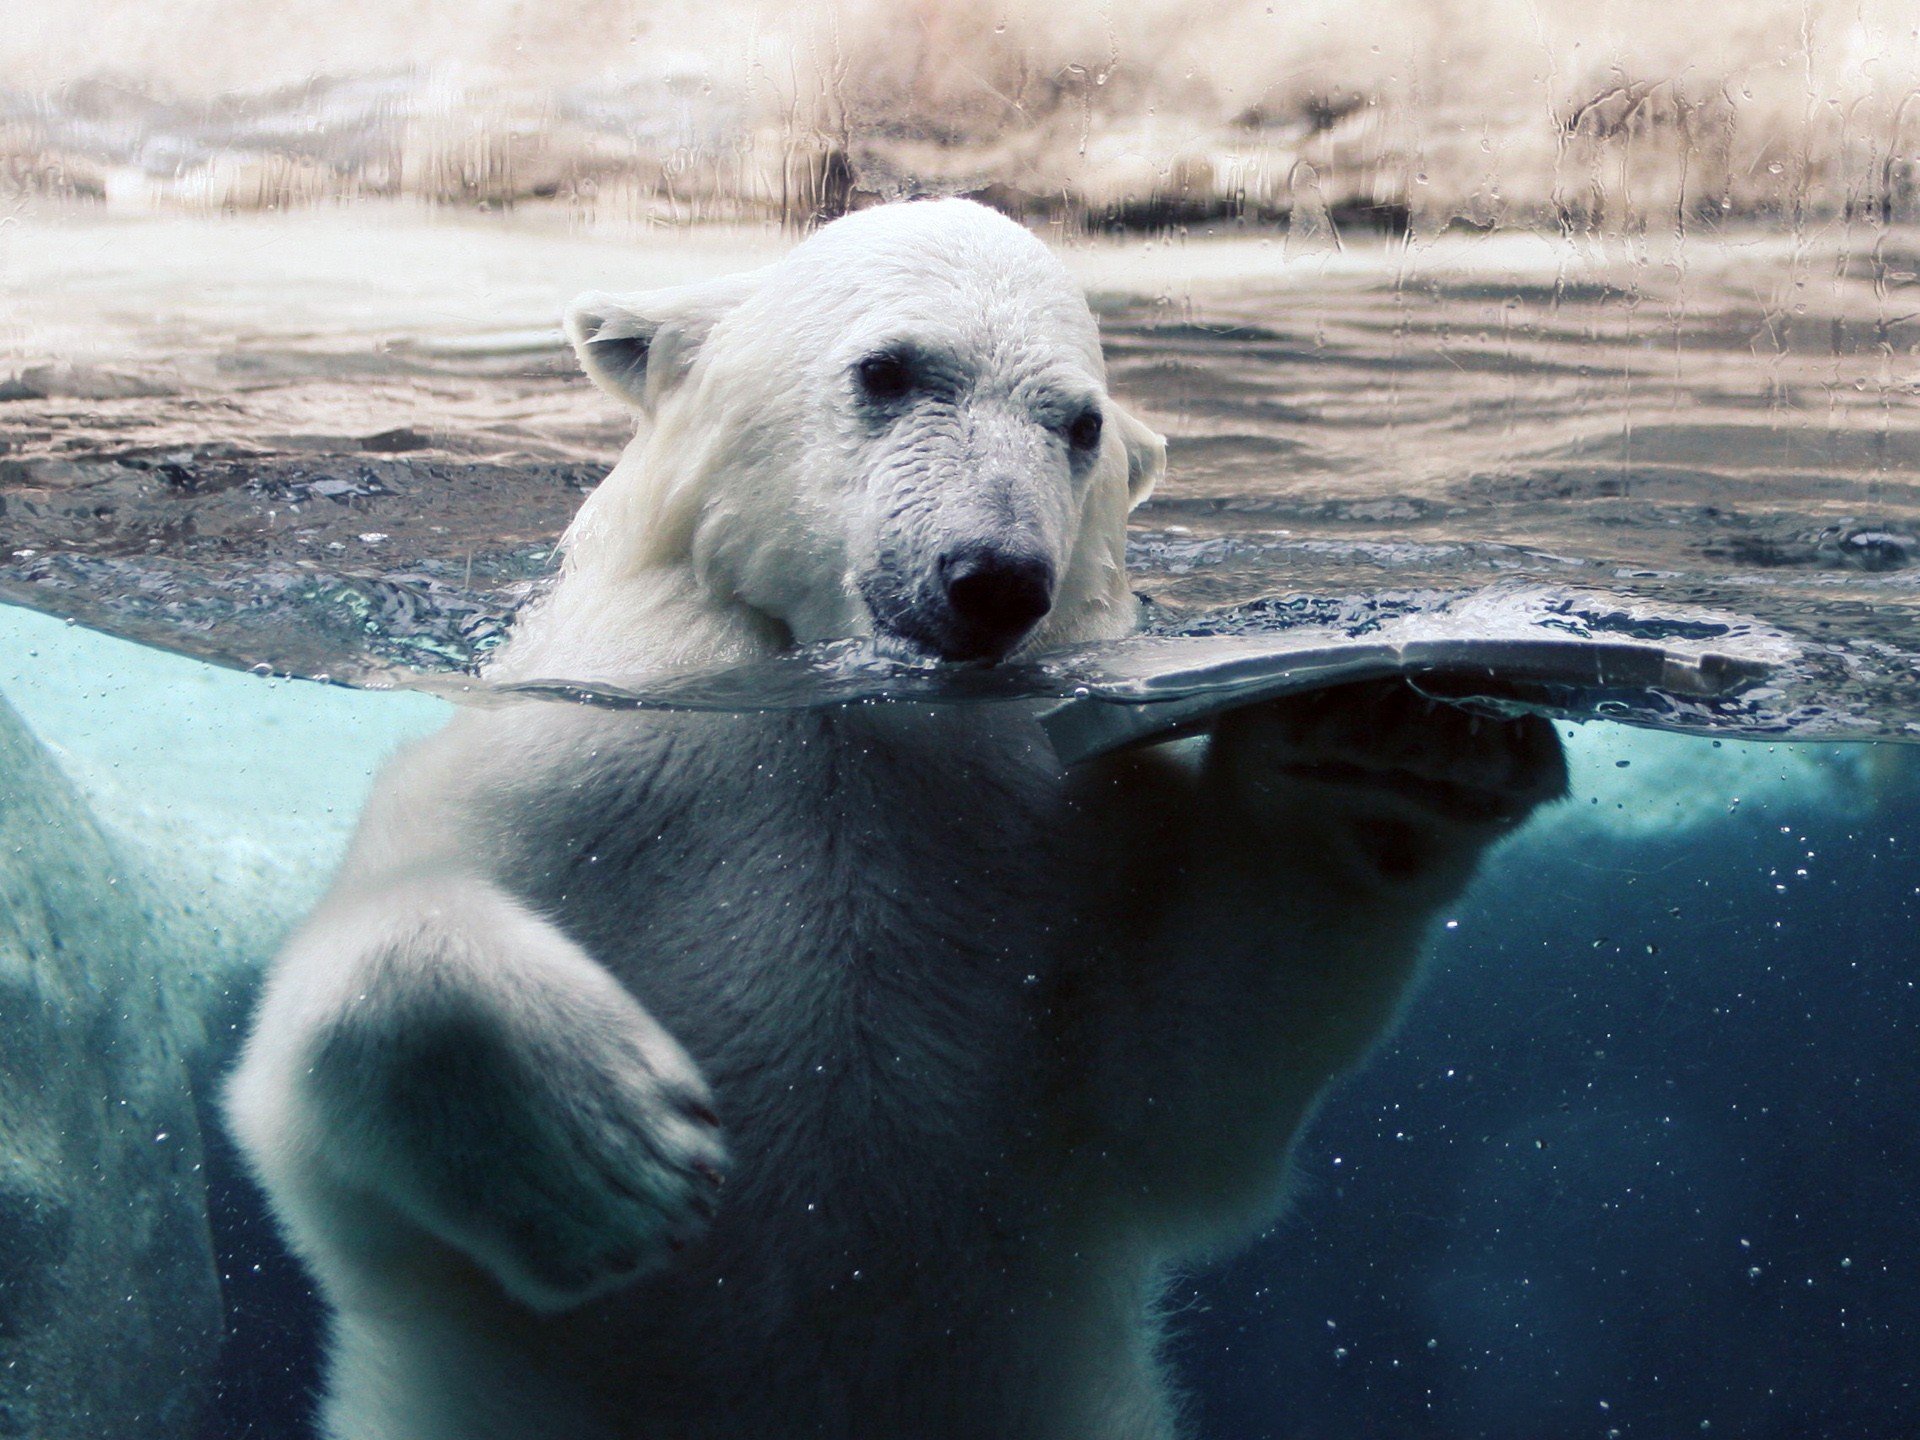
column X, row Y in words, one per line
column 1638, row 1164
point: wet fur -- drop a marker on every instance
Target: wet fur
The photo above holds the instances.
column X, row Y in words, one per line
column 981, row 1047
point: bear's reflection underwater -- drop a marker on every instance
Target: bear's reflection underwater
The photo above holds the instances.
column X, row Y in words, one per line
column 857, row 1071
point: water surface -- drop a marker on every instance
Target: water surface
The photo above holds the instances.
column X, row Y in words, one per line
column 343, row 444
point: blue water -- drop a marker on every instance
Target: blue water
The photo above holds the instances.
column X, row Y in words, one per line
column 1641, row 1160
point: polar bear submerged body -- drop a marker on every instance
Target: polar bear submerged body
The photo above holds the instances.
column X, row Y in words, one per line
column 849, row 1072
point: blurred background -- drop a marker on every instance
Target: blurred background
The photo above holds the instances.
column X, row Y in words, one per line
column 1586, row 115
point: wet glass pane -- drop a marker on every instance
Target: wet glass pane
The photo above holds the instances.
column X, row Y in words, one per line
column 1260, row 785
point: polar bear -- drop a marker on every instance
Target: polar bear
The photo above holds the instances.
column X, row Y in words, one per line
column 853, row 1072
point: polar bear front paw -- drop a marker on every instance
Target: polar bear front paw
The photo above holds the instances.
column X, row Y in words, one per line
column 1410, row 783
column 568, row 1161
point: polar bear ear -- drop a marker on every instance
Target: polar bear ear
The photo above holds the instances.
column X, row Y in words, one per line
column 637, row 347
column 1146, row 455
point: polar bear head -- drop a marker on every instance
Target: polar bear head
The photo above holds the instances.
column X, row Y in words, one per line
column 901, row 429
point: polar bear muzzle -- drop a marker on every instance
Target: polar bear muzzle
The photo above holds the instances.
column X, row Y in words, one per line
column 995, row 596
column 978, row 601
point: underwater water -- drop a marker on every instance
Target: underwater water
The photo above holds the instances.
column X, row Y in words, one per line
column 1637, row 1161
column 1609, row 334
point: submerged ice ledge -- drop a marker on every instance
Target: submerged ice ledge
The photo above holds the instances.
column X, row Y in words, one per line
column 1552, row 651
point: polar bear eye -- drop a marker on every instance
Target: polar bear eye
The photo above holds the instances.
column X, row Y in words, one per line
column 885, row 376
column 1083, row 431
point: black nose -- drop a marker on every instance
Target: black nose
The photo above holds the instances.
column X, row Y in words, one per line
column 996, row 595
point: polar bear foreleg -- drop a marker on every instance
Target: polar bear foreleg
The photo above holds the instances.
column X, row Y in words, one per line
column 432, row 1053
column 1275, row 910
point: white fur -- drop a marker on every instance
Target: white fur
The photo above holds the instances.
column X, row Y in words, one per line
column 991, row 1045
